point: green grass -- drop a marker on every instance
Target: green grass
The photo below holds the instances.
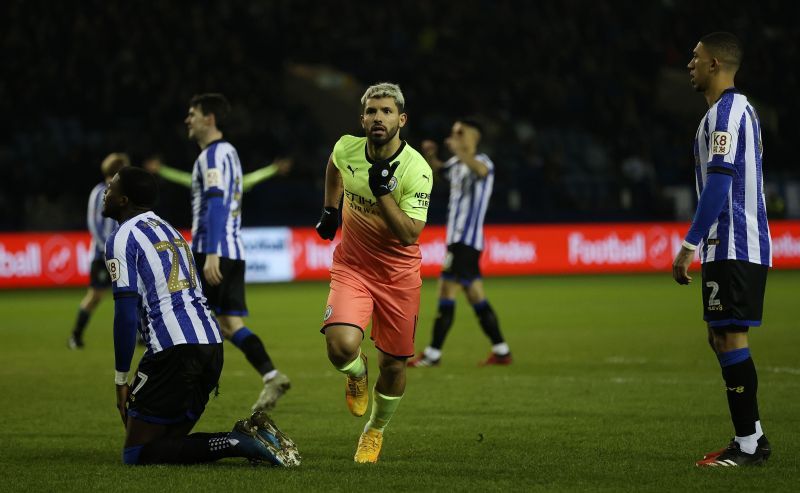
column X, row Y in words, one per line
column 613, row 388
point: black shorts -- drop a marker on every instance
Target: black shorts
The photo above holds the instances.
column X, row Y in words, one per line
column 461, row 264
column 173, row 385
column 733, row 293
column 98, row 275
column 226, row 298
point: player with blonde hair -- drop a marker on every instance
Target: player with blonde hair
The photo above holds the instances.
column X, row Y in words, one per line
column 384, row 187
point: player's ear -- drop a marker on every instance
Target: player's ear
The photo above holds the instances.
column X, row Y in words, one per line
column 403, row 119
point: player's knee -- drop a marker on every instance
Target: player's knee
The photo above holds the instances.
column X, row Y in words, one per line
column 227, row 333
column 728, row 338
column 392, row 367
column 94, row 300
column 131, row 455
column 711, row 341
column 91, row 300
column 229, row 325
column 341, row 351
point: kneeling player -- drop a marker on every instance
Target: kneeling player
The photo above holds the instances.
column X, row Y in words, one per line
column 154, row 277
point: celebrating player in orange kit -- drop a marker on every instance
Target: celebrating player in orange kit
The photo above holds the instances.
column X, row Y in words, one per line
column 376, row 268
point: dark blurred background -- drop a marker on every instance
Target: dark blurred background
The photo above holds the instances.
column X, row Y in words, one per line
column 587, row 105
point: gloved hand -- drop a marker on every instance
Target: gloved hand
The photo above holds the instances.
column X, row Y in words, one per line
column 380, row 176
column 328, row 223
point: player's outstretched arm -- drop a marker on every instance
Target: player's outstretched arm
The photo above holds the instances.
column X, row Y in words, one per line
column 183, row 178
column 279, row 167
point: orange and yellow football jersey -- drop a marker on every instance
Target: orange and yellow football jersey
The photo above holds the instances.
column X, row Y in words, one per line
column 368, row 245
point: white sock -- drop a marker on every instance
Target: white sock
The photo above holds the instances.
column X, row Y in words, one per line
column 432, row 353
column 759, row 431
column 748, row 444
column 501, row 349
column 269, row 376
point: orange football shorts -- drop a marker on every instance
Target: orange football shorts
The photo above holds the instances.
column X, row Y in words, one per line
column 393, row 308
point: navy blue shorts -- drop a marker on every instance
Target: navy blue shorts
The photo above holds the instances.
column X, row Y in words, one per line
column 461, row 264
column 733, row 293
column 98, row 275
column 174, row 385
column 227, row 297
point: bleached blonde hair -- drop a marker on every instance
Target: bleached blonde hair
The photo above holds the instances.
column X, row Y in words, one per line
column 384, row 90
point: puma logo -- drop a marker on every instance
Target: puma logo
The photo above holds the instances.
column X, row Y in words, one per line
column 424, row 176
column 353, row 171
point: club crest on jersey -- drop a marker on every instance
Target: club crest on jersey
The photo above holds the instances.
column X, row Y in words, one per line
column 392, row 184
column 113, row 269
column 720, row 143
column 213, row 178
column 328, row 313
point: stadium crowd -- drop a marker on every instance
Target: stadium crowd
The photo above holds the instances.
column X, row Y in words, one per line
column 577, row 98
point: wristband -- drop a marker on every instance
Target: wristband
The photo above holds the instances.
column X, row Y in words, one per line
column 688, row 246
column 120, row 377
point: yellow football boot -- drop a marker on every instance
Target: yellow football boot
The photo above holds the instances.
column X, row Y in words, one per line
column 369, row 446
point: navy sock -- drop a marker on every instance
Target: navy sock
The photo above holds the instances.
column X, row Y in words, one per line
column 253, row 350
column 741, row 383
column 443, row 322
column 488, row 321
column 191, row 449
column 81, row 321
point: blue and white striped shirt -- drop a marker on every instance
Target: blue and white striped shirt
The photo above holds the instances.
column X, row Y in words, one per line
column 218, row 172
column 469, row 199
column 147, row 257
column 100, row 227
column 728, row 141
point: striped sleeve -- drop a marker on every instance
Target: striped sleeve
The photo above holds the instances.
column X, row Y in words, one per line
column 212, row 170
column 487, row 161
column 724, row 138
column 122, row 253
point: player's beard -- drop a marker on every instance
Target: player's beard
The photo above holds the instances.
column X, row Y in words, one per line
column 110, row 209
column 388, row 135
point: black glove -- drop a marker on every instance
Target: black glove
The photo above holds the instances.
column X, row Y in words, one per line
column 328, row 223
column 380, row 177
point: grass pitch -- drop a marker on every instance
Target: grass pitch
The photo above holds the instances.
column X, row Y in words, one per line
column 613, row 388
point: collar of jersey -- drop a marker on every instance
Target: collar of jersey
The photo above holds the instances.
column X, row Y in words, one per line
column 394, row 156
column 214, row 142
column 137, row 217
column 731, row 90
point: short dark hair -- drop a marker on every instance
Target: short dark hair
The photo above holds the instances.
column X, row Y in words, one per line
column 472, row 122
column 212, row 103
column 139, row 186
column 724, row 46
